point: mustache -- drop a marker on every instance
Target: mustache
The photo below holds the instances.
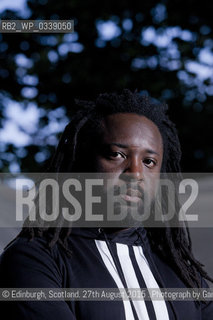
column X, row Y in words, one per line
column 131, row 189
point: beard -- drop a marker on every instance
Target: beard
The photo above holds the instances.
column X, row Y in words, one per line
column 122, row 210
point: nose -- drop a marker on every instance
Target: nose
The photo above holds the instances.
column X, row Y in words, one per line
column 133, row 169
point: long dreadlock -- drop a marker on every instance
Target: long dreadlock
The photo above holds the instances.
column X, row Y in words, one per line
column 173, row 244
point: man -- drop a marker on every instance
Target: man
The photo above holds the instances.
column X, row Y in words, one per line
column 132, row 139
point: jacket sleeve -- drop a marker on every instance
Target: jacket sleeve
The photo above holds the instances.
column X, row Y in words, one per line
column 207, row 308
column 30, row 265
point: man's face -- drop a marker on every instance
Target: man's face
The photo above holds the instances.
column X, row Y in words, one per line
column 128, row 149
column 131, row 153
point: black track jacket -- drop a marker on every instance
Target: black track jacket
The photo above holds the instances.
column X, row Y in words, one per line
column 100, row 259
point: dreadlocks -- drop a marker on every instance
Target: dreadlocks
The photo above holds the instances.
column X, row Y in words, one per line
column 173, row 244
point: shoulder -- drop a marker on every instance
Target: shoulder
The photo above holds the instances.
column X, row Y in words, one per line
column 22, row 249
column 27, row 262
column 207, row 307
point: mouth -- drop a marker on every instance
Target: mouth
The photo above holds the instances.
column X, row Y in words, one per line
column 132, row 196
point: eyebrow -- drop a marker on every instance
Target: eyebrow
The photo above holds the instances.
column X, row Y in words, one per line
column 125, row 146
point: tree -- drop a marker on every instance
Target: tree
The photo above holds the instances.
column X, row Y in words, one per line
column 162, row 48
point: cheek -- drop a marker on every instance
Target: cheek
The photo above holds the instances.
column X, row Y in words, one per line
column 111, row 173
column 151, row 185
column 108, row 173
column 104, row 165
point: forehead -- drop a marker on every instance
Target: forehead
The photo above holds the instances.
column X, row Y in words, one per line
column 133, row 129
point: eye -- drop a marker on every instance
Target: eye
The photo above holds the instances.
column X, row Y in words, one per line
column 116, row 155
column 150, row 163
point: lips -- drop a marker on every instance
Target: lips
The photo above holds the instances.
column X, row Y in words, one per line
column 132, row 196
column 131, row 193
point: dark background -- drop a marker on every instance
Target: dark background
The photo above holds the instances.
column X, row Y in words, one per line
column 162, row 48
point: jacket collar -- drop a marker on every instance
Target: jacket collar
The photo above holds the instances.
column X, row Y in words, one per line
column 127, row 236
